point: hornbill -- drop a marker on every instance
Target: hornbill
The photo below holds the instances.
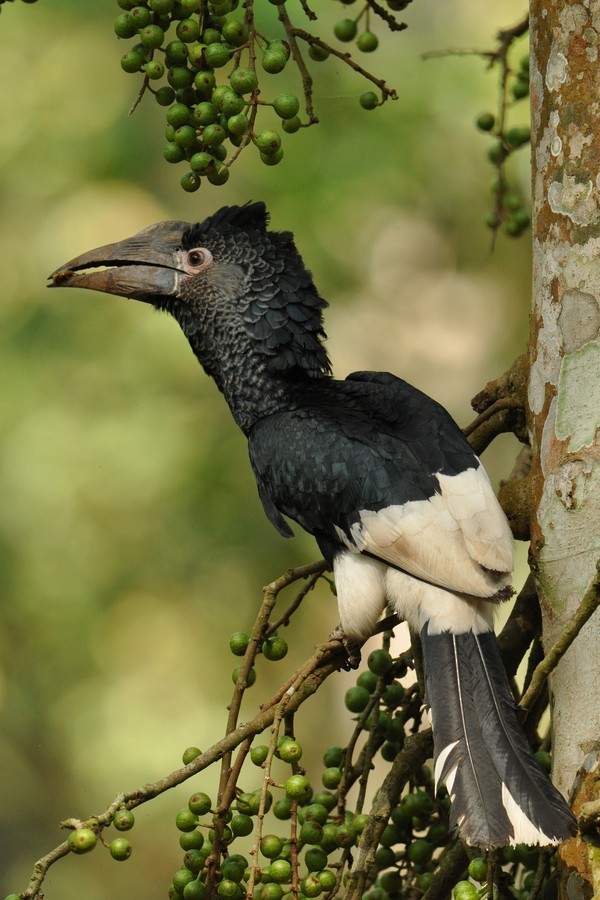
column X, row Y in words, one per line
column 377, row 471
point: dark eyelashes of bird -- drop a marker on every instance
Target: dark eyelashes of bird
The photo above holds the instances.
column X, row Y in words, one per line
column 378, row 472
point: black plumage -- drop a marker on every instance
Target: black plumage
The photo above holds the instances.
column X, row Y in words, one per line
column 341, row 446
column 378, row 472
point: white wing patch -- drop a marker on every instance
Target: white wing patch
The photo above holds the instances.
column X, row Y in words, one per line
column 472, row 502
column 458, row 539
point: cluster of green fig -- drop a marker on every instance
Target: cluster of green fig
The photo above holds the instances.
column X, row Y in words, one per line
column 269, row 866
column 348, row 30
column 273, row 648
column 519, row 867
column 210, row 56
column 300, row 833
column 509, row 211
column 355, row 30
column 83, row 839
column 410, row 844
column 285, row 835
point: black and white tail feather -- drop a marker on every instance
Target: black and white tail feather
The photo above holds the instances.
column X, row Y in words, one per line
column 499, row 793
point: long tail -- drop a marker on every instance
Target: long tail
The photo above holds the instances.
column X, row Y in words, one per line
column 500, row 795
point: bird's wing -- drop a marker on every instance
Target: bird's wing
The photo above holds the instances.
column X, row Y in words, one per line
column 376, row 467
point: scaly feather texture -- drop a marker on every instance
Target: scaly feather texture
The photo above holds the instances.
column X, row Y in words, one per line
column 378, row 472
column 498, row 790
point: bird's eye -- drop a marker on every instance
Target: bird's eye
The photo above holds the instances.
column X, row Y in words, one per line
column 196, row 260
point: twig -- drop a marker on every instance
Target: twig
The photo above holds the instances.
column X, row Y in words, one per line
column 416, row 750
column 263, row 794
column 501, row 407
column 347, row 781
column 501, row 404
column 230, row 775
column 327, row 659
column 288, row 613
column 253, row 101
column 307, row 82
column 308, row 12
column 145, row 86
column 387, row 16
column 260, row 625
column 507, row 35
column 212, row 861
column 497, row 56
column 540, row 875
column 522, row 626
column 386, row 92
column 294, row 846
column 42, row 866
column 589, row 604
column 451, row 867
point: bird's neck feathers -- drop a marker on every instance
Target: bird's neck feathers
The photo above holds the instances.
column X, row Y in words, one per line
column 260, row 332
column 254, row 382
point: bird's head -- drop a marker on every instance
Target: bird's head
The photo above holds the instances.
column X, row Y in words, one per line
column 227, row 280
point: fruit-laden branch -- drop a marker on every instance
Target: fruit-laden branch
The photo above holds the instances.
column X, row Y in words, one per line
column 452, row 865
column 417, row 748
column 513, row 85
column 327, row 659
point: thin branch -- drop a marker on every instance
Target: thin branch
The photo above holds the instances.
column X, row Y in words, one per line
column 588, row 606
column 219, row 822
column 308, row 12
column 501, row 407
column 498, row 56
column 145, row 86
column 501, row 404
column 391, row 22
column 522, row 626
column 327, row 659
column 459, row 51
column 507, row 35
column 531, row 718
column 451, row 866
column 285, row 617
column 254, row 872
column 270, row 594
column 307, row 81
column 41, row 867
column 347, row 781
column 541, row 874
column 386, row 92
column 417, row 748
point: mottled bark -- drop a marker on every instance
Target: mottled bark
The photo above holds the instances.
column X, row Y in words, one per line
column 564, row 384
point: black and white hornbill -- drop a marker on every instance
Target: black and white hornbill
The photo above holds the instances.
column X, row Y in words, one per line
column 378, row 472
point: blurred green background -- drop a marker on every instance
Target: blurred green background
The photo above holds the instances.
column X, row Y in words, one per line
column 132, row 542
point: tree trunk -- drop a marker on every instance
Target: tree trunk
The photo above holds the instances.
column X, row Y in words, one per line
column 564, row 386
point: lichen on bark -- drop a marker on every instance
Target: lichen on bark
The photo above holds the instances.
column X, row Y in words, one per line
column 564, row 386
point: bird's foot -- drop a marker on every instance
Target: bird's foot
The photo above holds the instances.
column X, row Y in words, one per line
column 351, row 647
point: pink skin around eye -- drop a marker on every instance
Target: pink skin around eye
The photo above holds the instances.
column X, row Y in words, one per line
column 196, row 260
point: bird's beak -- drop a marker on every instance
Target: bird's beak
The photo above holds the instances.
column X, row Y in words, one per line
column 145, row 267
